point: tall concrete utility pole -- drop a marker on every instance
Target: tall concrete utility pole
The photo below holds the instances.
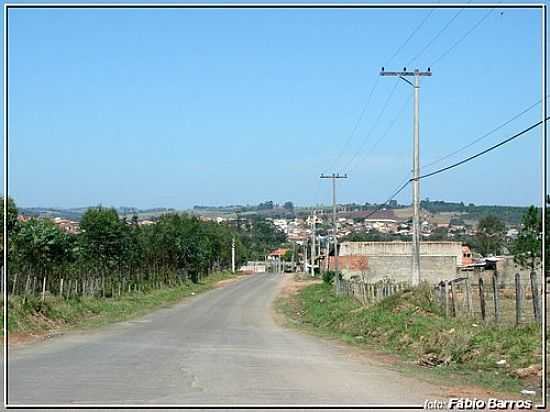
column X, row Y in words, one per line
column 313, row 244
column 415, row 277
column 335, row 176
column 233, row 255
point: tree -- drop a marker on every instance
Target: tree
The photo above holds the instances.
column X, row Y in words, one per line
column 103, row 238
column 39, row 246
column 527, row 247
column 288, row 206
column 490, row 235
column 12, row 214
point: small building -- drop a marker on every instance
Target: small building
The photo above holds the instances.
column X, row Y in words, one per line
column 67, row 226
column 277, row 254
column 438, row 260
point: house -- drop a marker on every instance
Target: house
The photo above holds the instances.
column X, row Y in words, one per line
column 67, row 226
column 277, row 254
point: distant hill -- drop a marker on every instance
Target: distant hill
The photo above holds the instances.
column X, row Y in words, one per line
column 76, row 213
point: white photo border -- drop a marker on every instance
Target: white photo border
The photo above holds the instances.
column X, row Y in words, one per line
column 8, row 6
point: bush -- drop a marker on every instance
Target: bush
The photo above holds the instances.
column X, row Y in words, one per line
column 329, row 276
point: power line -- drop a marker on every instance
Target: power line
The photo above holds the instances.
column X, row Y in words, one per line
column 483, row 136
column 482, row 152
column 369, row 98
column 461, row 39
column 382, row 111
column 420, row 25
column 409, row 180
column 350, row 137
column 433, row 39
column 399, row 189
column 388, row 129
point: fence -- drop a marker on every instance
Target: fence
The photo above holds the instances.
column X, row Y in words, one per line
column 368, row 293
column 484, row 297
column 107, row 287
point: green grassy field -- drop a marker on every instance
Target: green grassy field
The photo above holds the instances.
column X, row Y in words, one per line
column 35, row 316
column 410, row 325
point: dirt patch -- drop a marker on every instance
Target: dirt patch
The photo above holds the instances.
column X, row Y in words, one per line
column 293, row 282
column 25, row 338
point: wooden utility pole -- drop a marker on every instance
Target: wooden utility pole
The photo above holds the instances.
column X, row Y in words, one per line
column 415, row 280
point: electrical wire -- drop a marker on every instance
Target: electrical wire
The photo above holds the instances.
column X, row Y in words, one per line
column 420, row 25
column 480, row 153
column 483, row 136
column 444, row 169
column 369, row 98
column 365, row 140
column 354, row 130
column 395, row 193
column 461, row 39
column 433, row 39
column 392, row 123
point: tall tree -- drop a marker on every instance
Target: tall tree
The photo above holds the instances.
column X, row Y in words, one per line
column 102, row 238
column 39, row 246
column 490, row 235
column 12, row 214
column 527, row 247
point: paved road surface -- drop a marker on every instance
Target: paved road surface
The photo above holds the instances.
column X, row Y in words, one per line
column 221, row 347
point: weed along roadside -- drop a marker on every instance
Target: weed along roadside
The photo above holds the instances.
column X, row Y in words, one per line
column 30, row 317
column 411, row 324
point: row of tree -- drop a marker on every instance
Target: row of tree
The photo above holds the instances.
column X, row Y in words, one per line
column 108, row 246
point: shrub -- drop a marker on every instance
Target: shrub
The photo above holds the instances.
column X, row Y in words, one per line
column 329, row 276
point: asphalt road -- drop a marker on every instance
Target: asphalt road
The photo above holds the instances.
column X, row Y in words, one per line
column 220, row 347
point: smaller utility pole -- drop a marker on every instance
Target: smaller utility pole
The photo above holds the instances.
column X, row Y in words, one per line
column 313, row 244
column 233, row 255
column 335, row 176
column 305, row 256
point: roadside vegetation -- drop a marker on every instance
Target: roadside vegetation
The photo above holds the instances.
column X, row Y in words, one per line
column 31, row 315
column 411, row 325
column 114, row 267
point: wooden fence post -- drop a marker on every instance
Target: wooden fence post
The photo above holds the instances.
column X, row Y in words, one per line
column 445, row 285
column 61, row 287
column 518, row 299
column 453, row 307
column 468, row 290
column 535, row 293
column 14, row 286
column 27, row 284
column 495, row 296
column 44, row 289
column 482, row 298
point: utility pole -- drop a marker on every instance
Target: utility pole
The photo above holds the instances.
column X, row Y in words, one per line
column 313, row 244
column 233, row 255
column 305, row 256
column 415, row 280
column 335, row 176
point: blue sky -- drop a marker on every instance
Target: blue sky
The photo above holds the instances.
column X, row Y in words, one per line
column 174, row 108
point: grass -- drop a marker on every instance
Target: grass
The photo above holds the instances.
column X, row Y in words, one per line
column 35, row 316
column 410, row 324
